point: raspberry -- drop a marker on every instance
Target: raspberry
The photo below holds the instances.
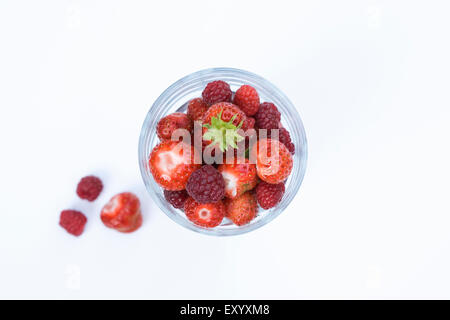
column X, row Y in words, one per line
column 217, row 91
column 176, row 198
column 207, row 215
column 247, row 99
column 196, row 109
column 89, row 188
column 268, row 195
column 268, row 116
column 206, row 185
column 73, row 221
column 285, row 138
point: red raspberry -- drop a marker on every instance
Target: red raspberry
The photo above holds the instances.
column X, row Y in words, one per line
column 167, row 125
column 268, row 116
column 284, row 138
column 196, row 109
column 176, row 198
column 208, row 215
column 217, row 91
column 89, row 188
column 206, row 185
column 73, row 221
column 247, row 99
column 268, row 195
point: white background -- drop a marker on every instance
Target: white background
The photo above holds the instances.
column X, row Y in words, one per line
column 369, row 78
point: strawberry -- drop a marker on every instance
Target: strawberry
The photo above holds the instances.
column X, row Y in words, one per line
column 247, row 99
column 242, row 209
column 171, row 163
column 167, row 125
column 273, row 160
column 208, row 215
column 221, row 123
column 122, row 213
column 239, row 177
column 196, row 109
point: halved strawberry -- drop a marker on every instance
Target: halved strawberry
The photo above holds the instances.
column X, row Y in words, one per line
column 221, row 123
column 273, row 160
column 242, row 209
column 208, row 215
column 239, row 177
column 167, row 125
column 171, row 163
column 122, row 213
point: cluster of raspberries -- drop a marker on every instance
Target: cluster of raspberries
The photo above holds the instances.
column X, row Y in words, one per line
column 210, row 192
column 122, row 212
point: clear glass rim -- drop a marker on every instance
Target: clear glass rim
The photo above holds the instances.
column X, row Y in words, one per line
column 192, row 83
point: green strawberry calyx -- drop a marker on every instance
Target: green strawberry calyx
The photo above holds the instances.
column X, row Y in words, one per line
column 224, row 134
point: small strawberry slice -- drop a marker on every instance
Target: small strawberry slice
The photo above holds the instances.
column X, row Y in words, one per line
column 122, row 213
column 242, row 209
column 167, row 125
column 171, row 163
column 273, row 160
column 239, row 177
column 221, row 124
column 208, row 215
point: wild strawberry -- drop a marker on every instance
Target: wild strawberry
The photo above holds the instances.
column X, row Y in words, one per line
column 221, row 123
column 217, row 91
column 268, row 116
column 247, row 98
column 208, row 215
column 196, row 109
column 242, row 209
column 167, row 125
column 269, row 195
column 171, row 163
column 273, row 160
column 239, row 177
column 122, row 213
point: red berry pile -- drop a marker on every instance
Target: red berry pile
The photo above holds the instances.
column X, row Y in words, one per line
column 122, row 212
column 199, row 178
